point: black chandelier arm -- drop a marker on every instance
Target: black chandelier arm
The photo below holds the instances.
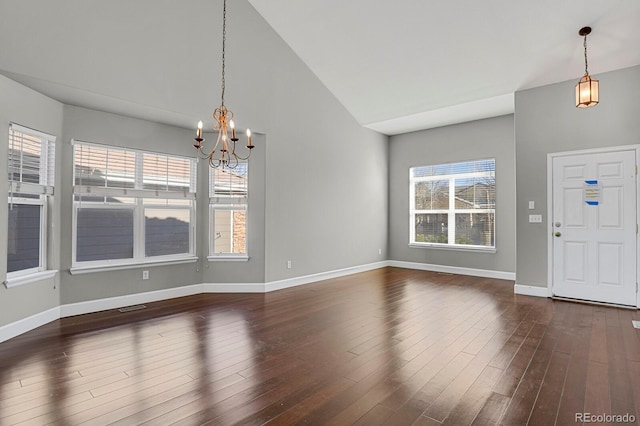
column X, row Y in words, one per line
column 215, row 163
column 238, row 157
column 201, row 154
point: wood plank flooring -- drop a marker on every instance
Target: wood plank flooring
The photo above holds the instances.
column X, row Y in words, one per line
column 390, row 346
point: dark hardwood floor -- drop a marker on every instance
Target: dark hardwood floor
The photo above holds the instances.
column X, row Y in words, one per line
column 390, row 346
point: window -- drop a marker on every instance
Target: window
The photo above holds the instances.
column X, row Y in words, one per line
column 131, row 206
column 31, row 171
column 228, row 191
column 453, row 205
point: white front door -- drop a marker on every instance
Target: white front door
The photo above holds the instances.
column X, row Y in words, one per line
column 594, row 226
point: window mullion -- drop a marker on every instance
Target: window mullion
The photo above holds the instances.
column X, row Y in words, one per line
column 412, row 208
column 43, row 234
column 451, row 216
column 139, row 230
column 139, row 171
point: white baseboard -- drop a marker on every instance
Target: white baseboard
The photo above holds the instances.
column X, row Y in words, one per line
column 233, row 288
column 485, row 273
column 307, row 279
column 127, row 300
column 530, row 290
column 19, row 327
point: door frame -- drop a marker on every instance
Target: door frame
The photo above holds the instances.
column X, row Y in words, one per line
column 550, row 157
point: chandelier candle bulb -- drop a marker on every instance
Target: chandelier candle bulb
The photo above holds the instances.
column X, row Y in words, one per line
column 233, row 130
column 249, row 144
column 198, row 137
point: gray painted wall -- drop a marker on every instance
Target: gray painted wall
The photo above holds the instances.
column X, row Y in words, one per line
column 31, row 109
column 490, row 138
column 547, row 121
column 318, row 191
column 326, row 176
column 112, row 129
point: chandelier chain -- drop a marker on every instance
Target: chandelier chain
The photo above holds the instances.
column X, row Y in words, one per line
column 586, row 64
column 224, row 40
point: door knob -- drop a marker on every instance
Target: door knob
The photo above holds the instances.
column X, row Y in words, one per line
column 558, row 224
column 557, row 234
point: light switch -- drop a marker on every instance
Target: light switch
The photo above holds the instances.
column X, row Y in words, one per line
column 532, row 205
column 535, row 218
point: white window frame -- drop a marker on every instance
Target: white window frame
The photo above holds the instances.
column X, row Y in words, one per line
column 230, row 203
column 451, row 211
column 44, row 190
column 141, row 201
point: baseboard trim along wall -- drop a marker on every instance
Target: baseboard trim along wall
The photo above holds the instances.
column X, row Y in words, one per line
column 485, row 273
column 19, row 327
column 98, row 305
column 233, row 288
column 531, row 290
column 308, row 279
column 27, row 324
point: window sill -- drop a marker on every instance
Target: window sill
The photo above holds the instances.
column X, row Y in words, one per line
column 77, row 270
column 29, row 278
column 226, row 258
column 454, row 248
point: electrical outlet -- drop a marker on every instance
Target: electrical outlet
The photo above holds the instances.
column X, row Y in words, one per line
column 532, row 205
column 379, row 251
column 535, row 218
column 288, row 264
column 145, row 275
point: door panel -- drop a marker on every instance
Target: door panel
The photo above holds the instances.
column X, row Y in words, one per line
column 594, row 246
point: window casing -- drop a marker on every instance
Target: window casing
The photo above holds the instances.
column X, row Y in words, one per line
column 228, row 208
column 131, row 206
column 453, row 205
column 31, row 174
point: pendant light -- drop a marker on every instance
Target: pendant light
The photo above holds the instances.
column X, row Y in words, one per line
column 587, row 94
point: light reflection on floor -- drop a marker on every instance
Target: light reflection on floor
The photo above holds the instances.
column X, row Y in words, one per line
column 173, row 352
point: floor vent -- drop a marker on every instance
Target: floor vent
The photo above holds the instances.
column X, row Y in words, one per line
column 636, row 324
column 132, row 308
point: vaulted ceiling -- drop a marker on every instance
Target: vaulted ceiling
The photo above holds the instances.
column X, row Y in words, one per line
column 396, row 66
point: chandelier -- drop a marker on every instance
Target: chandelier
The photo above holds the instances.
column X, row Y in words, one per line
column 587, row 88
column 224, row 152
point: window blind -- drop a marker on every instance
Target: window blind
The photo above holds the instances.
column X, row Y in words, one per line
column 106, row 170
column 229, row 185
column 31, row 161
column 465, row 167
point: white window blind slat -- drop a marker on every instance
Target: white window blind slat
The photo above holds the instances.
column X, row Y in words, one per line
column 31, row 160
column 225, row 183
column 123, row 168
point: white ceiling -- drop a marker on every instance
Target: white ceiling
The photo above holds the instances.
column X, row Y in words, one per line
column 404, row 65
column 397, row 66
